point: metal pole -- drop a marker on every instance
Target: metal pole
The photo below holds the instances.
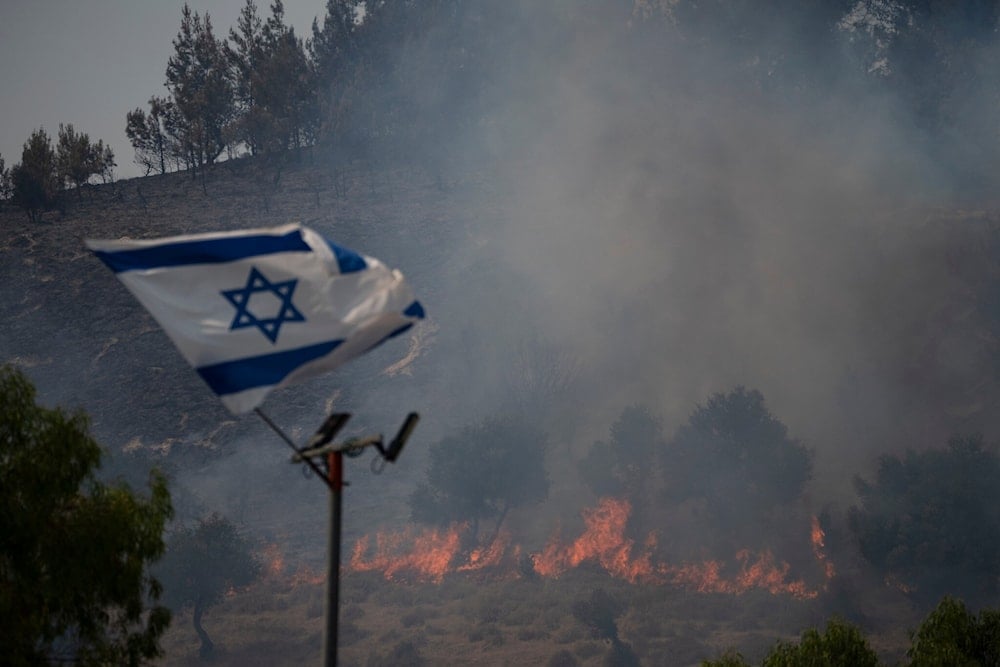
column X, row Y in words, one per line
column 318, row 446
column 335, row 480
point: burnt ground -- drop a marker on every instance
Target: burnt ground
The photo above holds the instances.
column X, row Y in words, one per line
column 87, row 344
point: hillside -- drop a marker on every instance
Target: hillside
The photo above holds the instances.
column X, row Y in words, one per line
column 86, row 343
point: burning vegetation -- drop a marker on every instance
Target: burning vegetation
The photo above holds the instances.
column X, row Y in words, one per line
column 432, row 554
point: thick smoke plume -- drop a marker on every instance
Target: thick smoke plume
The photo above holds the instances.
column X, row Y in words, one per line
column 685, row 216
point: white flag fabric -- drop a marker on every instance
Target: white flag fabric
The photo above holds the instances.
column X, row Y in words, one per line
column 255, row 309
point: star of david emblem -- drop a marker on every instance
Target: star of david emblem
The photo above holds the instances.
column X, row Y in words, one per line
column 275, row 298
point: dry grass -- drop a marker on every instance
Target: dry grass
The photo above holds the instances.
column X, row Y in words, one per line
column 503, row 622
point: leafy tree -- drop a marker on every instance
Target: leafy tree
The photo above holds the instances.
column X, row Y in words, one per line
column 35, row 179
column 731, row 658
column 273, row 82
column 285, row 91
column 952, row 635
column 149, row 135
column 244, row 55
column 201, row 91
column 625, row 465
column 931, row 520
column 74, row 552
column 738, row 459
column 840, row 645
column 483, row 472
column 201, row 564
column 78, row 159
column 106, row 163
column 334, row 55
column 5, row 187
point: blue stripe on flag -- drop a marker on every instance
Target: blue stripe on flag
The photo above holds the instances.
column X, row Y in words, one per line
column 414, row 310
column 266, row 370
column 211, row 251
column 348, row 260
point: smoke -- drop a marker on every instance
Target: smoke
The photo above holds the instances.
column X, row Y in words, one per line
column 683, row 217
column 640, row 208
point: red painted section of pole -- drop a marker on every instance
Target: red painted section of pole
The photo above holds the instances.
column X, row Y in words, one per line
column 335, row 476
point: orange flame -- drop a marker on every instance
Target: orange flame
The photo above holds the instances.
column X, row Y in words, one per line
column 432, row 554
column 818, row 536
column 603, row 541
column 274, row 560
column 274, row 567
column 427, row 555
column 489, row 556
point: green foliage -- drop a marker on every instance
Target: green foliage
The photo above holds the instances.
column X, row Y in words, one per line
column 74, row 553
column 201, row 564
column 624, row 464
column 931, row 520
column 5, row 187
column 482, row 472
column 243, row 50
column 150, row 134
column 35, row 179
column 274, row 83
column 841, row 645
column 731, row 658
column 738, row 459
column 952, row 635
column 201, row 91
column 78, row 159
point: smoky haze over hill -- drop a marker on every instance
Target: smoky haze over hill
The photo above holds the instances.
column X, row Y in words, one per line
column 641, row 204
column 694, row 206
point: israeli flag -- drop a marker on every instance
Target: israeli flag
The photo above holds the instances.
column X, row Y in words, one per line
column 256, row 309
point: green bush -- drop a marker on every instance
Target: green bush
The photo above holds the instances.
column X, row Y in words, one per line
column 952, row 635
column 841, row 645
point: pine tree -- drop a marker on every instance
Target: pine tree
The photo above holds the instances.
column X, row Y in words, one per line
column 5, row 188
column 334, row 57
column 244, row 59
column 35, row 179
column 201, row 89
column 78, row 159
column 286, row 87
column 148, row 135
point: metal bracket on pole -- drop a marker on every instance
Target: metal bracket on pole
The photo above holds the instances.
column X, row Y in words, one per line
column 321, row 446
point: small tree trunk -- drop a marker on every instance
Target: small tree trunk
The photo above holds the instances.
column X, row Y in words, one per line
column 207, row 646
column 496, row 529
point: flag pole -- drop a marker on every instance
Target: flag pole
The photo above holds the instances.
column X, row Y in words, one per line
column 335, row 480
column 320, row 446
column 288, row 441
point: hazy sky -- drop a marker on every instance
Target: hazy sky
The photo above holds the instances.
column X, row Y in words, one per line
column 89, row 62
